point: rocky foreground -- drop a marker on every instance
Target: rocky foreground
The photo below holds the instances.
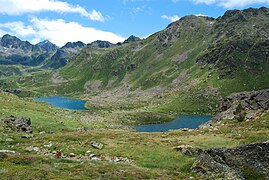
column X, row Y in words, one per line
column 234, row 163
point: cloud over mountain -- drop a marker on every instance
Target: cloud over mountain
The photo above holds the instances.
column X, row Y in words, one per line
column 171, row 18
column 57, row 31
column 19, row 7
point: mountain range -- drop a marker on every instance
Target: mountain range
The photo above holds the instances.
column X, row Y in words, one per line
column 194, row 54
column 48, row 55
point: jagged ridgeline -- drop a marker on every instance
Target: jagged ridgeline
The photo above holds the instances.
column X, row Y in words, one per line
column 229, row 53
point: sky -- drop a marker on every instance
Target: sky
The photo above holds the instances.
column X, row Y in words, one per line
column 62, row 21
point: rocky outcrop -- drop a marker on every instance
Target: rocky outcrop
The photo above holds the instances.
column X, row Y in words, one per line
column 245, row 105
column 243, row 162
column 188, row 150
column 19, row 124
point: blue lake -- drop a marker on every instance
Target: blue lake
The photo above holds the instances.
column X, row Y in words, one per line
column 186, row 121
column 62, row 102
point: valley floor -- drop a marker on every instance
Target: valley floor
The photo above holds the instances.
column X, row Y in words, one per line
column 62, row 147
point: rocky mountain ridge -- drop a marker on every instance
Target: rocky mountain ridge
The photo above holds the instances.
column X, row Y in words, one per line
column 15, row 51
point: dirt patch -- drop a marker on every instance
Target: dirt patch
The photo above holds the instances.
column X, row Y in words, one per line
column 179, row 58
column 57, row 78
column 92, row 86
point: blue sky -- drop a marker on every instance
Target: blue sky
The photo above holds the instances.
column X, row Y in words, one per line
column 61, row 21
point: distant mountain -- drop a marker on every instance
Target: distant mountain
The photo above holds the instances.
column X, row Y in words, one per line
column 13, row 42
column 15, row 51
column 101, row 44
column 77, row 44
column 132, row 38
column 64, row 54
column 47, row 46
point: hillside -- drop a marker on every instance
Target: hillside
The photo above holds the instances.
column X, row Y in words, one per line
column 191, row 47
column 196, row 65
column 186, row 68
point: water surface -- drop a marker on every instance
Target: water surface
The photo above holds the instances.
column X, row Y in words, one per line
column 63, row 102
column 186, row 121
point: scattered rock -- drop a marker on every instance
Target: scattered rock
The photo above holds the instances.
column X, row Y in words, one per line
column 7, row 151
column 96, row 144
column 48, row 145
column 234, row 163
column 188, row 150
column 88, row 152
column 119, row 160
column 31, row 148
column 72, row 155
column 95, row 158
column 18, row 123
column 27, row 136
column 92, row 155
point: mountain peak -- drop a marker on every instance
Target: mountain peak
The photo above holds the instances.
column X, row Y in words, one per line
column 78, row 44
column 101, row 44
column 132, row 38
column 9, row 41
column 47, row 45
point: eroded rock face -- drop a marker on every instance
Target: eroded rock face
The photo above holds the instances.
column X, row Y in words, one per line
column 18, row 123
column 243, row 105
column 235, row 163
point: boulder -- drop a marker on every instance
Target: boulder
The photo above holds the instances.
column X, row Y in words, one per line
column 18, row 123
column 96, row 145
column 188, row 150
column 242, row 162
column 72, row 155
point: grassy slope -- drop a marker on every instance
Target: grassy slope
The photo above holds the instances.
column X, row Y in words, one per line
column 153, row 60
column 153, row 153
column 42, row 116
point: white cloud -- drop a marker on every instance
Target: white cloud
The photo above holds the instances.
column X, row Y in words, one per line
column 58, row 31
column 18, row 28
column 18, row 7
column 2, row 33
column 234, row 3
column 171, row 18
column 200, row 14
column 228, row 3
